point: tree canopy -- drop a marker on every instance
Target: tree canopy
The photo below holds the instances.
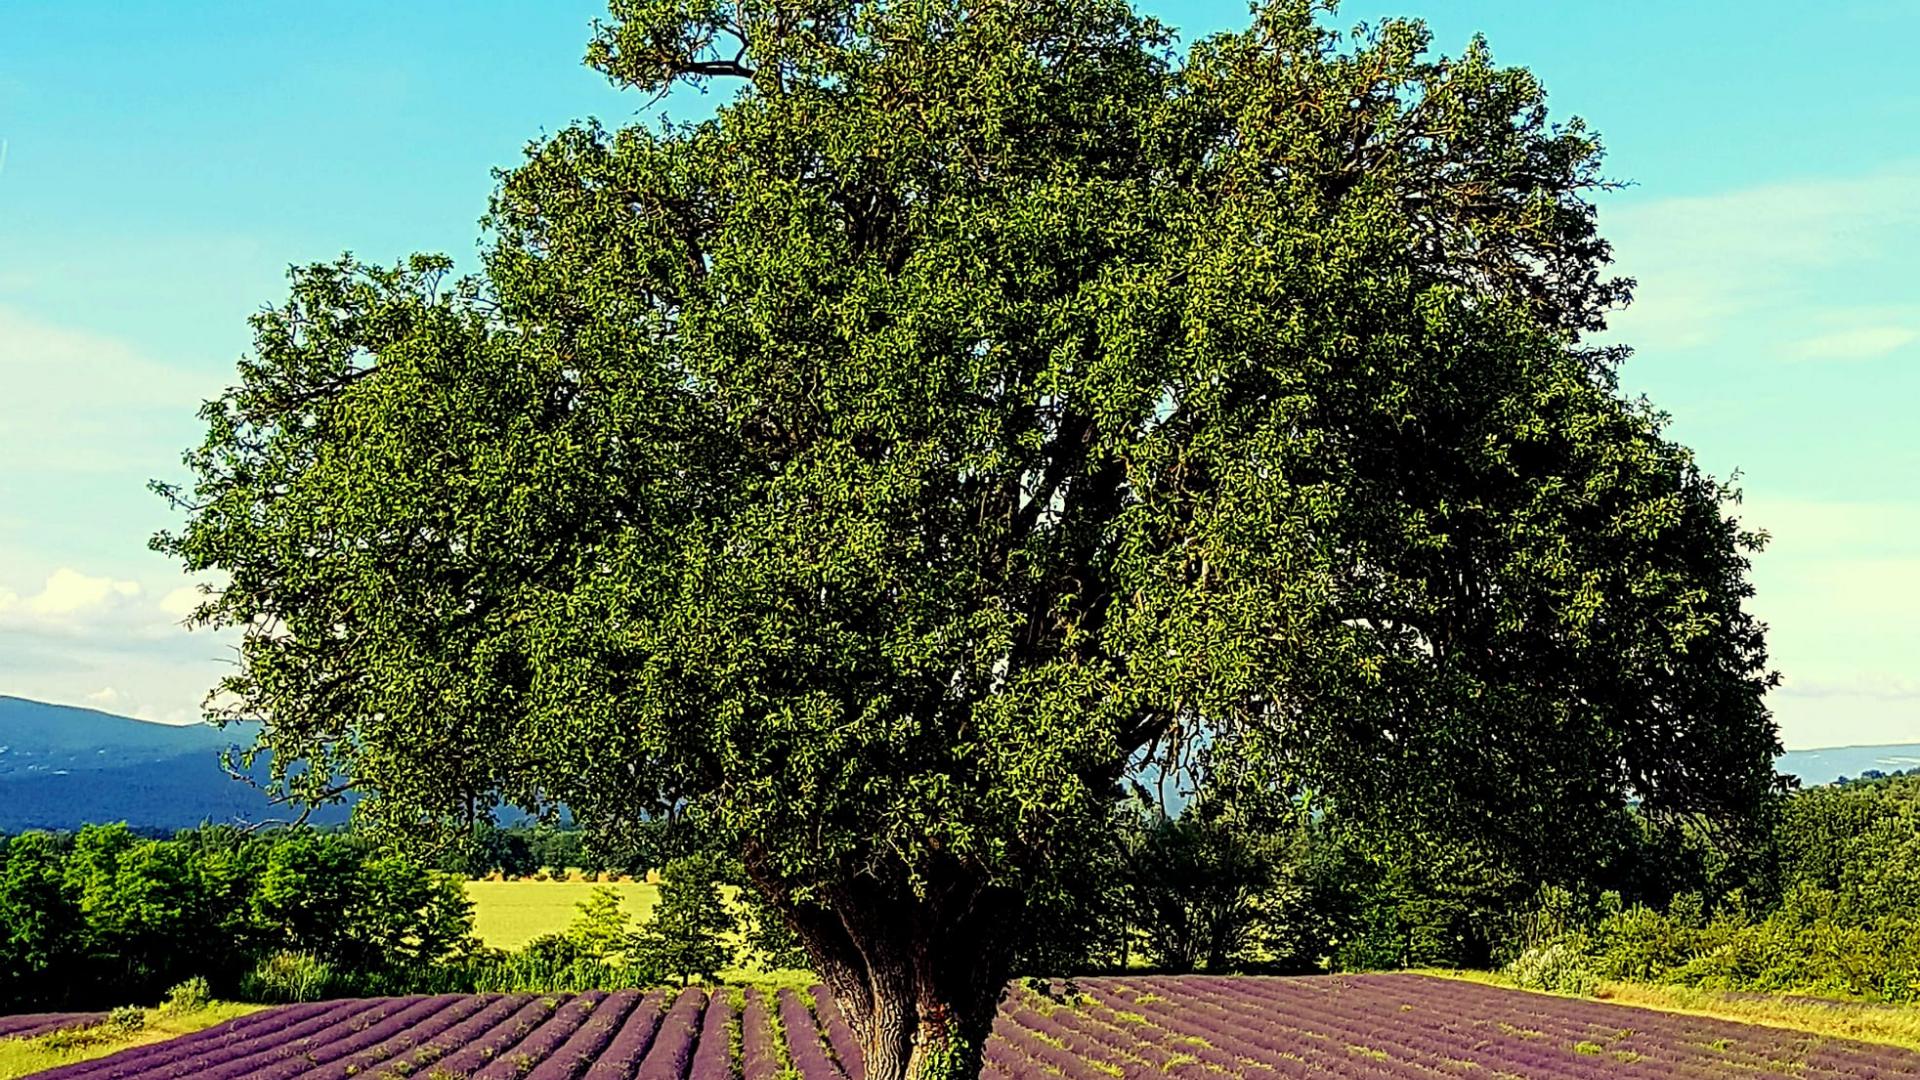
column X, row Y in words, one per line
column 985, row 403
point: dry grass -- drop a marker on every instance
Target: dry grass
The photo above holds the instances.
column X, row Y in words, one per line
column 24, row 1057
column 1867, row 1021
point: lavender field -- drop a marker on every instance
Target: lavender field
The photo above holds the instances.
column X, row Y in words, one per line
column 1359, row 1027
column 33, row 1025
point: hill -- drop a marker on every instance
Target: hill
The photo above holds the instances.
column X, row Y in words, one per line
column 62, row 767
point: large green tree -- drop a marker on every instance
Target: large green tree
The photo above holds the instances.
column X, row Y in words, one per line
column 984, row 402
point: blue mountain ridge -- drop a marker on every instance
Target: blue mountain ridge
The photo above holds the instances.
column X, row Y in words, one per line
column 62, row 767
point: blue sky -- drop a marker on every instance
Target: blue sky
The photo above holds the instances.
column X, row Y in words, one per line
column 164, row 163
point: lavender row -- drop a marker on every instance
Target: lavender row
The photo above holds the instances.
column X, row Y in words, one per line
column 713, row 1058
column 759, row 1052
column 804, row 1041
column 34, row 1025
column 840, row 1037
column 1390, row 1027
column 679, row 1033
column 1689, row 1045
column 257, row 1031
column 484, row 1047
column 591, row 1039
column 1822, row 1055
column 630, row 1044
column 542, row 1042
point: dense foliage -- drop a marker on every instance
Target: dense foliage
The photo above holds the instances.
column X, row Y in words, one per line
column 985, row 401
column 1818, row 895
column 524, row 850
column 103, row 917
column 1832, row 908
column 106, row 917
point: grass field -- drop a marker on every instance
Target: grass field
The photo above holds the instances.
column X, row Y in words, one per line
column 508, row 914
column 24, row 1057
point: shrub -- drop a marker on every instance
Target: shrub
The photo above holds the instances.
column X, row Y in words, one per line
column 1560, row 967
column 127, row 1019
column 187, row 997
column 600, row 927
column 287, row 977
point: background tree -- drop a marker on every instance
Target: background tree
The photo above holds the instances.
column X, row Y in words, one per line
column 1196, row 882
column 42, row 955
column 984, row 402
column 686, row 937
column 599, row 927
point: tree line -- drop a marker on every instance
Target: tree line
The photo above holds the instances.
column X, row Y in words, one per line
column 104, row 917
column 1822, row 898
column 1830, row 904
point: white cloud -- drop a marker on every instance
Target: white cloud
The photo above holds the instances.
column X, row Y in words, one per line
column 68, row 592
column 109, row 643
column 1863, row 343
column 71, row 603
column 180, row 602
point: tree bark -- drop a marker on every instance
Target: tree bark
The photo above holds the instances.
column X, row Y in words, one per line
column 917, row 975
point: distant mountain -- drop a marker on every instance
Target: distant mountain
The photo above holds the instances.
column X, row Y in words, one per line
column 37, row 738
column 62, row 767
column 1815, row 767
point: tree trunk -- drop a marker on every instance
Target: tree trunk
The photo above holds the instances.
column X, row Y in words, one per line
column 917, row 977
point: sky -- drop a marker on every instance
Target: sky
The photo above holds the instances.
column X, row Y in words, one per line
column 162, row 164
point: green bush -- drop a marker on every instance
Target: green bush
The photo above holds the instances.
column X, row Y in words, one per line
column 1561, row 967
column 287, row 977
column 126, row 1019
column 187, row 997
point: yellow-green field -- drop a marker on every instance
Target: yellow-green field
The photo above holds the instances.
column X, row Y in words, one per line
column 508, row 914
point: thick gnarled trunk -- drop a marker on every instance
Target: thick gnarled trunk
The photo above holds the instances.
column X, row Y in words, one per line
column 918, row 978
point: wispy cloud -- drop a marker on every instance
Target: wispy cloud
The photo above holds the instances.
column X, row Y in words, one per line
column 1860, row 343
column 1706, row 263
column 76, row 400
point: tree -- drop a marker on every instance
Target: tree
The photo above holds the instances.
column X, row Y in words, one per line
column 599, row 927
column 1197, row 882
column 981, row 403
column 685, row 938
column 40, row 924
